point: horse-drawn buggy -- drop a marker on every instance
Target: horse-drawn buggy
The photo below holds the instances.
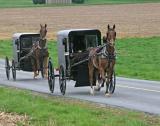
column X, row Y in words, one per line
column 76, row 49
column 30, row 53
column 23, row 46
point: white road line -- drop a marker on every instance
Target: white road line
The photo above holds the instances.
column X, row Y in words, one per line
column 136, row 88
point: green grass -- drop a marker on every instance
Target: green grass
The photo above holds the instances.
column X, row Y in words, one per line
column 28, row 3
column 15, row 3
column 55, row 111
column 53, row 52
column 136, row 57
column 119, row 1
column 5, row 48
column 139, row 58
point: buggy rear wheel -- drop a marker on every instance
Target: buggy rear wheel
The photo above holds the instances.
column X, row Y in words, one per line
column 62, row 80
column 51, row 77
column 112, row 84
column 7, row 67
column 13, row 70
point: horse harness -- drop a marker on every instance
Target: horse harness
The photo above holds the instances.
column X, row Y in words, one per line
column 44, row 49
column 103, row 53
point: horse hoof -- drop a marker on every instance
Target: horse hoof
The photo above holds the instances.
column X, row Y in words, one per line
column 97, row 88
column 92, row 92
column 35, row 75
column 108, row 94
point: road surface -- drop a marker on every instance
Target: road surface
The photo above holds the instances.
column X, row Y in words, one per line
column 140, row 95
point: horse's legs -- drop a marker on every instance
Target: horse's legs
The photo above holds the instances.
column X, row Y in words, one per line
column 33, row 62
column 99, row 82
column 45, row 64
column 91, row 69
column 37, row 66
column 109, row 79
column 107, row 82
column 103, row 75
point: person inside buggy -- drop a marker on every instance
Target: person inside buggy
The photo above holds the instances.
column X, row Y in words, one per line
column 78, row 47
column 27, row 44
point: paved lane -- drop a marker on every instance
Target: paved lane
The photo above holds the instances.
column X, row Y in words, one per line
column 134, row 94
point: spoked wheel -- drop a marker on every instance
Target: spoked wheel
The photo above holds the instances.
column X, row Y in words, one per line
column 7, row 67
column 51, row 77
column 62, row 80
column 112, row 83
column 13, row 70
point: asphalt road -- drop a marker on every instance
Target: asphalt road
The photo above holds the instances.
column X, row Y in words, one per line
column 140, row 95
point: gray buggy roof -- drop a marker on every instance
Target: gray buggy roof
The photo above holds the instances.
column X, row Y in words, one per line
column 18, row 35
column 65, row 33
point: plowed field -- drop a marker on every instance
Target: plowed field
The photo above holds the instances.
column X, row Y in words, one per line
column 131, row 19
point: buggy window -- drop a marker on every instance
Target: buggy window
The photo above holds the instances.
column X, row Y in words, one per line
column 91, row 41
column 35, row 39
column 80, row 43
column 77, row 43
column 26, row 42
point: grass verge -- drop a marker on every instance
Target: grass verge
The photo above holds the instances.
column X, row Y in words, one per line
column 44, row 110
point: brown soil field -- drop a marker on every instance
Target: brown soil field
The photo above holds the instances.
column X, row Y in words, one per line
column 131, row 19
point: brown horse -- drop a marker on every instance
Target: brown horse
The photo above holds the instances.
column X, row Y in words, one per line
column 34, row 56
column 35, row 59
column 44, row 50
column 102, row 61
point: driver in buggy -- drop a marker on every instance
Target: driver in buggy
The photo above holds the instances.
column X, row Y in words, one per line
column 77, row 50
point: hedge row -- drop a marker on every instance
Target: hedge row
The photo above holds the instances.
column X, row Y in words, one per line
column 78, row 1
column 39, row 1
column 43, row 1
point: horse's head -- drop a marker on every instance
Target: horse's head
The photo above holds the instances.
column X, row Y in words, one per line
column 43, row 31
column 111, row 35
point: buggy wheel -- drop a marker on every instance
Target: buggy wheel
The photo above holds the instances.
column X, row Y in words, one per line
column 62, row 80
column 7, row 67
column 112, row 84
column 13, row 70
column 51, row 77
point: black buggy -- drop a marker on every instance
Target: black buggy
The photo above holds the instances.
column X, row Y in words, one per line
column 22, row 44
column 73, row 58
